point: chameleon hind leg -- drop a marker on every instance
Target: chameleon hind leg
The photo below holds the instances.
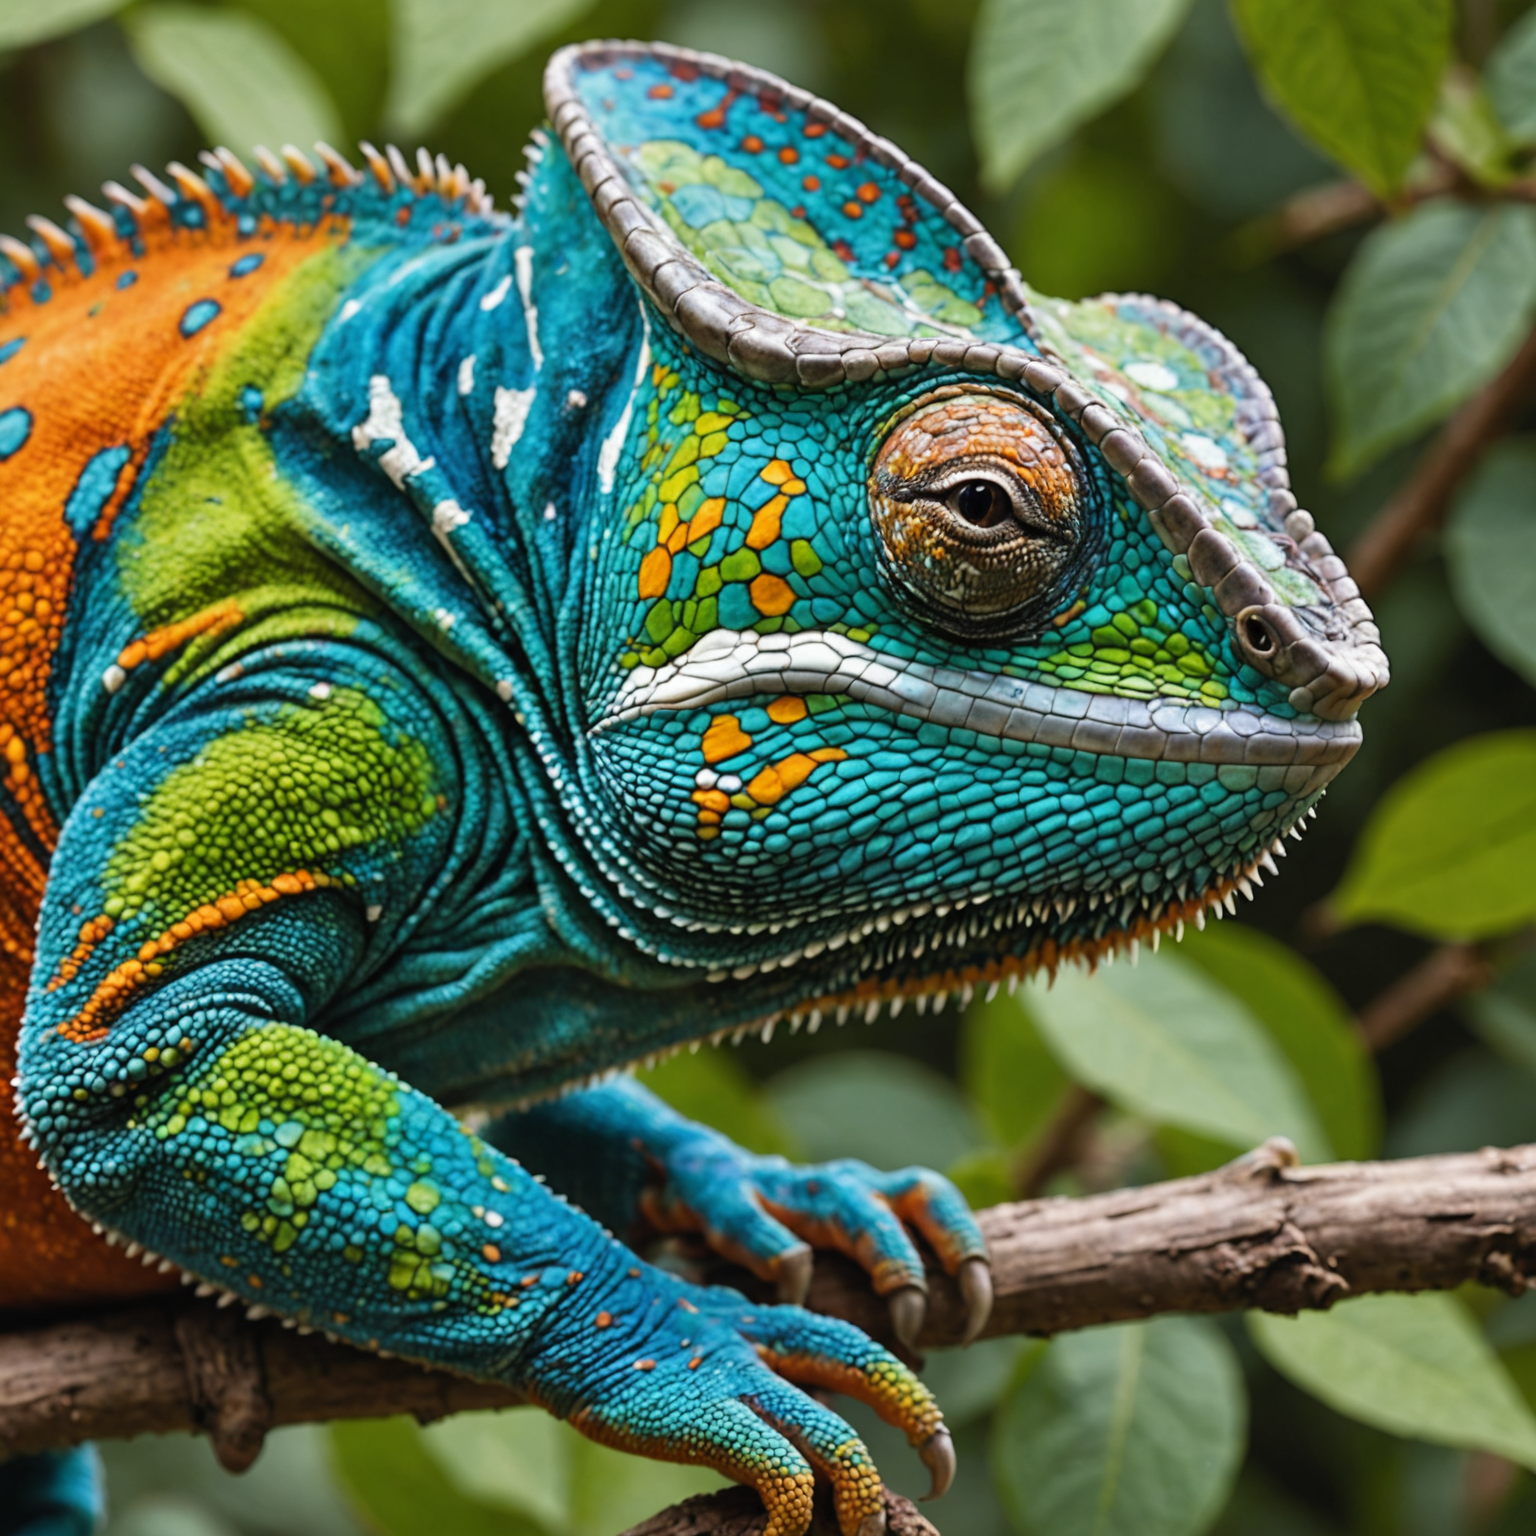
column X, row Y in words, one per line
column 57, row 1493
column 176, row 1082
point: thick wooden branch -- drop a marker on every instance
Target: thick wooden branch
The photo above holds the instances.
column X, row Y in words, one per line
column 1258, row 1233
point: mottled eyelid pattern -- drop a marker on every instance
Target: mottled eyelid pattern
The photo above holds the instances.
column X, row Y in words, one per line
column 989, row 579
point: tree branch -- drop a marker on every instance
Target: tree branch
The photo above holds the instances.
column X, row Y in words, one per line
column 1257, row 1233
column 1422, row 501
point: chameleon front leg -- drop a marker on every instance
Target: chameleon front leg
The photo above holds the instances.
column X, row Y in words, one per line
column 636, row 1163
column 178, row 1090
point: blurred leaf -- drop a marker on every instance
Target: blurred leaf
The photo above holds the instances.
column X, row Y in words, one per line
column 442, row 48
column 886, row 1109
column 1416, row 1366
column 1132, row 1430
column 1185, row 1154
column 969, row 1381
column 519, row 1460
column 1490, row 548
column 1038, row 68
column 1504, row 1015
column 23, row 22
column 235, row 75
column 1511, row 76
column 712, row 1087
column 1307, row 1019
column 1431, row 308
column 1357, row 77
column 1008, row 1069
column 402, row 1489
column 984, row 1178
column 1450, row 851
column 1467, row 130
column 612, row 1491
column 1473, row 1100
column 1165, row 1043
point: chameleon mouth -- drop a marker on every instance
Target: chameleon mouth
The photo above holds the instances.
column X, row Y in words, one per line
column 1300, row 755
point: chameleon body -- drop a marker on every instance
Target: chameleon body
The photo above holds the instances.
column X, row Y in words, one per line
column 449, row 657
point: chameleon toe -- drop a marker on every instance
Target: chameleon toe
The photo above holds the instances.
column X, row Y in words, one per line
column 975, row 1280
column 938, row 1455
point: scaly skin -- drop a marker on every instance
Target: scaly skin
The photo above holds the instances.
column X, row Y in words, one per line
column 419, row 695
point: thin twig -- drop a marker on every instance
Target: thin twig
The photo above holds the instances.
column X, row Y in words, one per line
column 1059, row 1145
column 1421, row 503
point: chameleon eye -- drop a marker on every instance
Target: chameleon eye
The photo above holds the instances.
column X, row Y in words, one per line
column 978, row 511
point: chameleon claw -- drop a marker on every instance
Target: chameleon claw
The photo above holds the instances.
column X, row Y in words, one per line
column 794, row 1274
column 938, row 1455
column 908, row 1307
column 976, row 1288
column 873, row 1525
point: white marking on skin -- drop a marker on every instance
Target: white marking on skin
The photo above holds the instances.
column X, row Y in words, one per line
column 385, row 422
column 446, row 516
column 504, row 691
column 373, row 912
column 445, row 620
column 1152, row 375
column 497, row 295
column 321, row 691
column 1206, row 453
column 613, row 444
column 522, row 260
column 508, row 419
column 550, row 512
column 467, row 375
column 576, row 400
column 348, row 309
column 113, row 678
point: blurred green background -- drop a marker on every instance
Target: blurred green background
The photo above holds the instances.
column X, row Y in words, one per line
column 1346, row 188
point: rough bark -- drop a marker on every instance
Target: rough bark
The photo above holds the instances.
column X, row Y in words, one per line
column 1258, row 1233
column 739, row 1512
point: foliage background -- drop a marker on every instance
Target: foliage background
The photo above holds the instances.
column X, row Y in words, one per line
column 1168, row 145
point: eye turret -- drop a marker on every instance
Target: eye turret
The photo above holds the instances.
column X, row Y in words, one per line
column 979, row 513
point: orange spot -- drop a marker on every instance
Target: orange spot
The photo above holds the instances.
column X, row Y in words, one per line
column 766, row 522
column 492, row 1253
column 752, row 144
column 696, row 1362
column 528, row 1281
column 839, row 162
column 905, row 239
column 789, row 154
column 655, row 573
column 772, row 783
column 869, row 193
column 891, row 258
column 811, row 183
column 815, row 130
column 853, row 210
column 706, row 519
column 771, row 595
column 715, row 802
column 660, row 92
column 778, row 471
column 604, row 1319
column 724, row 738
column 645, row 1365
column 787, row 710
column 575, row 1277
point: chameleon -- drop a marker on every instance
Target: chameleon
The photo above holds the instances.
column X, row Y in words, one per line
column 451, row 656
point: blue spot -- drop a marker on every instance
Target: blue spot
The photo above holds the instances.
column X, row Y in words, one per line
column 15, row 429
column 94, row 489
column 247, row 264
column 127, row 279
column 11, row 348
column 198, row 315
column 251, row 402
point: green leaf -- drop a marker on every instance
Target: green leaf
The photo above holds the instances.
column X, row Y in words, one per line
column 23, row 22
column 612, row 1490
column 1008, row 1069
column 1164, row 1042
column 1039, row 68
column 1132, row 1430
column 1431, row 308
column 403, row 1491
column 1511, row 76
column 1357, row 77
column 711, row 1086
column 1450, row 851
column 1416, row 1366
column 1307, row 1019
column 443, row 48
column 886, row 1109
column 235, row 75
column 1467, row 131
column 1490, row 547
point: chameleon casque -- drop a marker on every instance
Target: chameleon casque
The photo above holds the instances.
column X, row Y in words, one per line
column 449, row 657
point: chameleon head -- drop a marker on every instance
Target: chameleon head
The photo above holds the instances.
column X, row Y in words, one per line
column 941, row 629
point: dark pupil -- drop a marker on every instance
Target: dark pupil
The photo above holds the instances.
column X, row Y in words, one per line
column 982, row 503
